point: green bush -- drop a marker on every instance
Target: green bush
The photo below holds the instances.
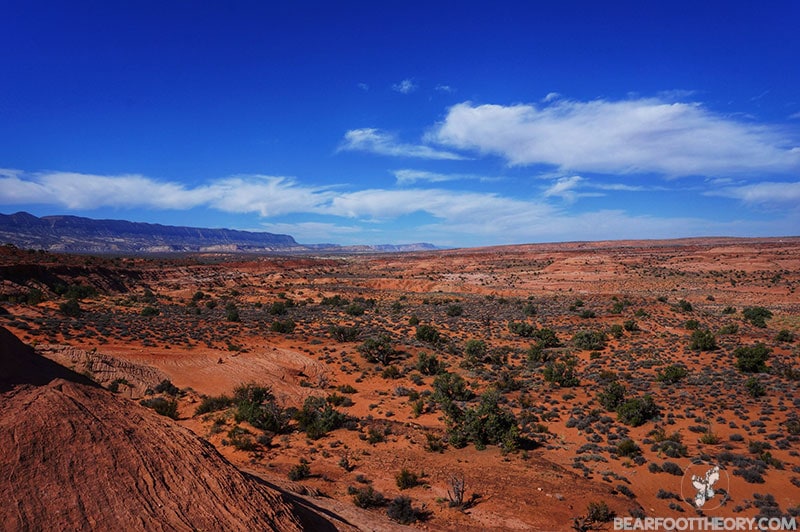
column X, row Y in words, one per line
column 785, row 335
column 612, row 396
column 757, row 316
column 450, row 387
column 342, row 333
column 278, row 308
column 213, row 404
column 367, row 497
column 454, row 310
column 430, row 365
column 150, row 311
column 635, row 412
column 286, row 326
column 599, row 512
column 628, row 447
column 475, row 350
column 167, row 387
column 703, row 340
column 589, row 340
column 256, row 405
column 684, row 306
column 377, row 349
column 672, row 374
column 355, row 309
column 428, row 333
column 754, row 387
column 562, row 372
column 486, row 424
column 71, row 308
column 752, row 359
column 300, row 471
column 522, row 329
column 317, row 418
column 406, row 479
column 546, row 337
column 165, row 407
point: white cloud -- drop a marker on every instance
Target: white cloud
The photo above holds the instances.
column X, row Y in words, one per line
column 407, row 177
column 620, row 137
column 564, row 188
column 407, row 86
column 363, row 86
column 763, row 193
column 444, row 88
column 551, row 96
column 380, row 142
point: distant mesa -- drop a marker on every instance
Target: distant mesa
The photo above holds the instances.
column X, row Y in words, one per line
column 75, row 234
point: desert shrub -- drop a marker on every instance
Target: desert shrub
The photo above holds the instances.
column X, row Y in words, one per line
column 612, row 396
column 241, row 439
column 546, row 337
column 377, row 349
column 428, row 333
column 300, row 471
column 475, row 351
column 589, row 340
column 785, row 335
column 684, row 306
column 486, row 424
column 162, row 406
column 413, row 320
column 342, row 333
column 166, row 387
column 752, row 359
column 339, row 400
column 454, row 310
column 149, row 311
column 588, row 313
column 114, row 386
column 317, row 418
column 537, row 354
column 346, row 388
column 256, row 405
column 232, row 313
column 213, row 404
column 635, row 412
column 278, row 308
column 334, row 301
column 390, row 372
column 672, row 468
column 616, row 331
column 406, row 479
column 703, row 340
column 562, row 372
column 692, row 325
column 757, row 316
column 355, row 309
column 731, row 328
column 672, row 374
column 630, row 325
column 754, row 387
column 75, row 291
column 793, row 426
column 71, row 308
column 522, row 329
column 628, row 447
column 430, row 365
column 529, row 309
column 34, row 296
column 367, row 497
column 286, row 326
column 450, row 387
column 599, row 512
column 709, row 438
column 750, row 474
column 401, row 510
column 729, row 310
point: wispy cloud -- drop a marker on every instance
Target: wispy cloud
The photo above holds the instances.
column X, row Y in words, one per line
column 407, row 177
column 380, row 142
column 767, row 192
column 444, row 88
column 407, row 86
column 363, row 86
column 650, row 135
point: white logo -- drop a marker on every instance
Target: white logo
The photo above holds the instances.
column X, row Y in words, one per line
column 704, row 486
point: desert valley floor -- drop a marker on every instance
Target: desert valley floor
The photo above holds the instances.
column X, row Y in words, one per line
column 533, row 387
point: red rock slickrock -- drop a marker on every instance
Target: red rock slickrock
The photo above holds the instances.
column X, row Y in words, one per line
column 76, row 458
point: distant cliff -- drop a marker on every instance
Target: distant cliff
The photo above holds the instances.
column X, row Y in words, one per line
column 75, row 234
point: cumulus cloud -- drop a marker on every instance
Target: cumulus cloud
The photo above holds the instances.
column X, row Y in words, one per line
column 407, row 86
column 646, row 135
column 382, row 143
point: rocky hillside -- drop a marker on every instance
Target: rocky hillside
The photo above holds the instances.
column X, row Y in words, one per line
column 76, row 457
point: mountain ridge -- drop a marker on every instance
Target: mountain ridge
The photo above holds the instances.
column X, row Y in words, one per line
column 76, row 234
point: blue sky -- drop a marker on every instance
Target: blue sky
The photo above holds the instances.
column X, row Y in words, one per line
column 457, row 123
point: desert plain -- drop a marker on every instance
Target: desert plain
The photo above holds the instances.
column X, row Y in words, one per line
column 530, row 387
